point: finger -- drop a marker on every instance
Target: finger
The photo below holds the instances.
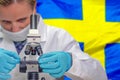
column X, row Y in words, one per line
column 51, row 65
column 47, row 55
column 53, row 71
column 11, row 60
column 9, row 67
column 12, row 54
column 4, row 76
column 48, row 59
column 3, row 70
column 58, row 75
column 6, row 68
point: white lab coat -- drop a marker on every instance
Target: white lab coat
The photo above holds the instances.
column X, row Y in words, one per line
column 54, row 39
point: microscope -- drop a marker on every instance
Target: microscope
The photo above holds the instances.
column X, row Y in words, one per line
column 29, row 62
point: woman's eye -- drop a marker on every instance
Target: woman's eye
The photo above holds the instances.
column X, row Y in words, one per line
column 22, row 20
column 6, row 22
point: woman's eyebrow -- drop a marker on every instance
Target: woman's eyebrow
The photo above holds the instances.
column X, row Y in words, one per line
column 24, row 18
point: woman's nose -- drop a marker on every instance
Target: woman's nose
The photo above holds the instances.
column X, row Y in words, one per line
column 15, row 27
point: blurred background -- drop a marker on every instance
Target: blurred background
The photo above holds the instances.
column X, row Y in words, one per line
column 95, row 24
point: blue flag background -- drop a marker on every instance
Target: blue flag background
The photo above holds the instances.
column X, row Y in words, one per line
column 70, row 9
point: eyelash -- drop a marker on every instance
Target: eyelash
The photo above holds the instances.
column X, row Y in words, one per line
column 6, row 22
column 22, row 20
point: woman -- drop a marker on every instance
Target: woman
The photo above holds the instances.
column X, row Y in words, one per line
column 58, row 47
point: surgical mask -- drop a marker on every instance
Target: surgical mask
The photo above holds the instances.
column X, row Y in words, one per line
column 16, row 36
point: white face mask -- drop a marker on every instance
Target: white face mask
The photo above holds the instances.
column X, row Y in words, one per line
column 16, row 36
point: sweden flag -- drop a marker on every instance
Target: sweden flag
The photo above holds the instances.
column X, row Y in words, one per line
column 96, row 27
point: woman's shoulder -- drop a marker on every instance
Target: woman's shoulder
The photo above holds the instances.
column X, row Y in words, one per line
column 59, row 32
column 55, row 29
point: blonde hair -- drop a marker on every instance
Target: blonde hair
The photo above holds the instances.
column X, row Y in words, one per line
column 9, row 2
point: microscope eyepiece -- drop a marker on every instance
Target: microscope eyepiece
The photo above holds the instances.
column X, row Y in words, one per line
column 33, row 21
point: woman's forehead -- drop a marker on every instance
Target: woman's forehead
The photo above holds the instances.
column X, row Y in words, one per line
column 15, row 11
